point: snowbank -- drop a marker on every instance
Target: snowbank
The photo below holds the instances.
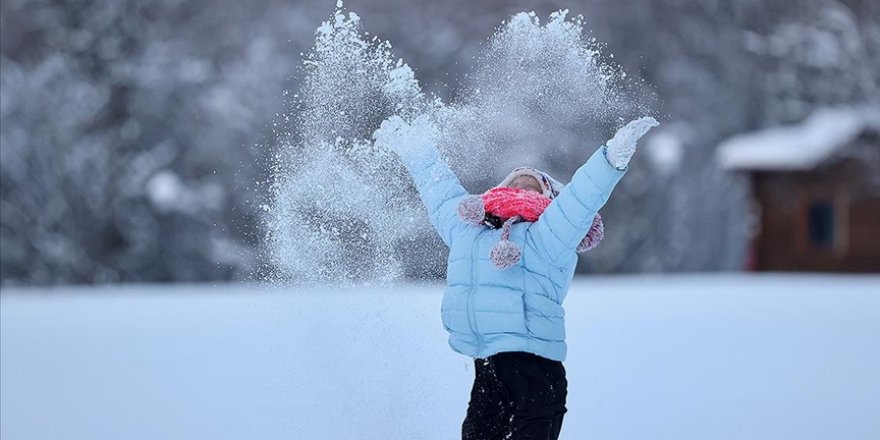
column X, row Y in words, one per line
column 699, row 357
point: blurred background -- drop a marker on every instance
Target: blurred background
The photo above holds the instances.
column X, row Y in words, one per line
column 137, row 136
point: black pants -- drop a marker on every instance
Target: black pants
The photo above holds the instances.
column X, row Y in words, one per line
column 516, row 395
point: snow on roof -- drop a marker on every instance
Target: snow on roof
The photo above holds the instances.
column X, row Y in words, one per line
column 799, row 146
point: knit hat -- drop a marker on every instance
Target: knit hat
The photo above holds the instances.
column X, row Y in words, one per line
column 502, row 206
column 550, row 186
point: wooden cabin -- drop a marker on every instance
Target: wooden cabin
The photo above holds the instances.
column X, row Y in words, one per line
column 815, row 191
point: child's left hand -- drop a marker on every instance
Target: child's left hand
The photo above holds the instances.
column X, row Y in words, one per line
column 403, row 138
column 622, row 146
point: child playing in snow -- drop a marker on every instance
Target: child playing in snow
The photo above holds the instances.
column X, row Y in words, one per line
column 512, row 256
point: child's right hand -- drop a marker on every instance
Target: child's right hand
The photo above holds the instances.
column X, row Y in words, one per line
column 404, row 138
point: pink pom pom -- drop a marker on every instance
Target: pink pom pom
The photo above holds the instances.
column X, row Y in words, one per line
column 471, row 209
column 505, row 254
column 594, row 235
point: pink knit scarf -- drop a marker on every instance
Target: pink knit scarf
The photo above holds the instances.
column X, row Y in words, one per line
column 510, row 205
column 506, row 202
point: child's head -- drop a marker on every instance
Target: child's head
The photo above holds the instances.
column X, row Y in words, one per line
column 522, row 196
column 527, row 183
column 525, row 193
column 532, row 179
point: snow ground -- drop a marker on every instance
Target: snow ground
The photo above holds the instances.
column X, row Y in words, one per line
column 651, row 357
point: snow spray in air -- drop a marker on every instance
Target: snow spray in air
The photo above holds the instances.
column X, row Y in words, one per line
column 343, row 210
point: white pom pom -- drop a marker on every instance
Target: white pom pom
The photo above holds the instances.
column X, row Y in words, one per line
column 471, row 209
column 505, row 254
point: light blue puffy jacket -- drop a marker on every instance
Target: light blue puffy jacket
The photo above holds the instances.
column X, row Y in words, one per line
column 487, row 310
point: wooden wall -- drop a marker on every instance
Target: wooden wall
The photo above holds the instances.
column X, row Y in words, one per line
column 827, row 220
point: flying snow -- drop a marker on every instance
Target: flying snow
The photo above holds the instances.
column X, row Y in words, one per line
column 343, row 210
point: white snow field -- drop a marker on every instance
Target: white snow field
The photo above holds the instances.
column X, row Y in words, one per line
column 704, row 357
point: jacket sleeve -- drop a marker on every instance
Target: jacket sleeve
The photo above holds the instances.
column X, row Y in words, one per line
column 438, row 187
column 568, row 218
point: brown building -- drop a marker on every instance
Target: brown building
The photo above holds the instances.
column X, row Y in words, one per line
column 816, row 191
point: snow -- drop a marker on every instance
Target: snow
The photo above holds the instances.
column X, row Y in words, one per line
column 330, row 184
column 168, row 192
column 665, row 150
column 799, row 146
column 651, row 357
column 528, row 81
column 164, row 189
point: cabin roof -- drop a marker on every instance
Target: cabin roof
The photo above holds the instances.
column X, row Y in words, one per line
column 800, row 146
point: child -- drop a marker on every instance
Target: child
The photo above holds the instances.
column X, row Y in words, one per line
column 512, row 256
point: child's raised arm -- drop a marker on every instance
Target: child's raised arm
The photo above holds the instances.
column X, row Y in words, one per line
column 567, row 219
column 438, row 187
